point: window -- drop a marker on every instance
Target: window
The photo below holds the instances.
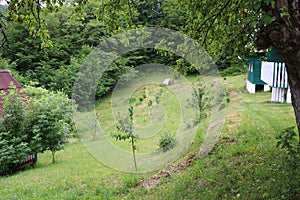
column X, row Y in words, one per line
column 250, row 67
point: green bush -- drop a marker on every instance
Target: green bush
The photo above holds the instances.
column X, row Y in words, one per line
column 158, row 96
column 13, row 150
column 167, row 141
column 52, row 121
column 30, row 126
column 288, row 141
column 5, row 64
column 130, row 180
column 15, row 118
column 234, row 70
column 131, row 100
column 141, row 99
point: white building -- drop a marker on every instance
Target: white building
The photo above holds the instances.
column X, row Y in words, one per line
column 272, row 74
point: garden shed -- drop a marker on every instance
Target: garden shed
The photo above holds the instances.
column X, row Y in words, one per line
column 6, row 79
column 273, row 72
column 269, row 74
column 254, row 82
column 6, row 82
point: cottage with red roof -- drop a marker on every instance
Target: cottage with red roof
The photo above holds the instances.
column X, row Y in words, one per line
column 6, row 80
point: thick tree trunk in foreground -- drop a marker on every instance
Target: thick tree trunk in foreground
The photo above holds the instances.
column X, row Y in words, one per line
column 293, row 70
column 284, row 35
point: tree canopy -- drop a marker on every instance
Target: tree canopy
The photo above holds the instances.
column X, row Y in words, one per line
column 228, row 29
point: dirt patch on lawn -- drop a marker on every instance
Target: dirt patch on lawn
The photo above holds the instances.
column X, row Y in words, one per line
column 177, row 168
column 233, row 120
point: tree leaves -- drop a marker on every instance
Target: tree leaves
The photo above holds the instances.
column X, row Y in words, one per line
column 32, row 127
column 125, row 132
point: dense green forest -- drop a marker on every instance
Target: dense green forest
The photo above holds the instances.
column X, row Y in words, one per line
column 74, row 33
column 46, row 42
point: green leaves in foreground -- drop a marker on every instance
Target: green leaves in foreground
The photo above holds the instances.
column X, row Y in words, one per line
column 286, row 139
column 32, row 126
column 288, row 142
column 15, row 116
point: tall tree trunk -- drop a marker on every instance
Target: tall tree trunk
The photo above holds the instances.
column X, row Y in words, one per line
column 284, row 35
column 289, row 48
column 53, row 156
column 293, row 70
column 133, row 153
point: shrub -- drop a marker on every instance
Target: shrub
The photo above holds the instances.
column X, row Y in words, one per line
column 52, row 121
column 30, row 127
column 130, row 180
column 167, row 141
column 131, row 100
column 15, row 118
column 287, row 140
column 13, row 151
column 141, row 99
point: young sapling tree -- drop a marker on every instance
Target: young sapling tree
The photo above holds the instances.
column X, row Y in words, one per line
column 125, row 132
column 200, row 101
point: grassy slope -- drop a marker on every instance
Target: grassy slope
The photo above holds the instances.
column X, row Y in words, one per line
column 244, row 164
column 75, row 174
column 141, row 117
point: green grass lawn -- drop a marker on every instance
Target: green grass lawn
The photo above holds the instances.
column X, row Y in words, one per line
column 245, row 163
column 169, row 113
column 147, row 142
column 75, row 174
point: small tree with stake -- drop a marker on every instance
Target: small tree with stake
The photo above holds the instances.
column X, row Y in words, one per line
column 200, row 101
column 125, row 131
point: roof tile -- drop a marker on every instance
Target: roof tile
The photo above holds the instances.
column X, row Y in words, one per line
column 6, row 79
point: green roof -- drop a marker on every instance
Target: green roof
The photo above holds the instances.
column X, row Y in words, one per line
column 252, row 58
